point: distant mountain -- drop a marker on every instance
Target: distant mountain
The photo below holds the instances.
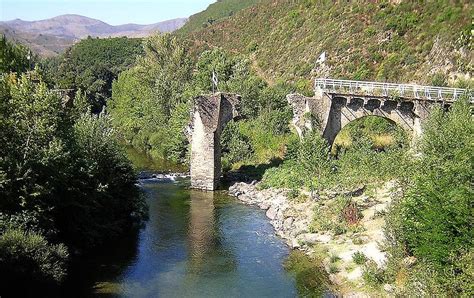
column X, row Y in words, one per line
column 51, row 36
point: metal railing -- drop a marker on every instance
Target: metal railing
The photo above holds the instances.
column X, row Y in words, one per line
column 392, row 90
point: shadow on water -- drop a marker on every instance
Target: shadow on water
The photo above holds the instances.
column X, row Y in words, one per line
column 91, row 274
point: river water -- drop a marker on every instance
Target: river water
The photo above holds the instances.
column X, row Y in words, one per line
column 194, row 244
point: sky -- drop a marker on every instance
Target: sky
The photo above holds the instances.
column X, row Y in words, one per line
column 114, row 12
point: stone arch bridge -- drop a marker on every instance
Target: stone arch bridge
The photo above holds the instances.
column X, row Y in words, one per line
column 335, row 104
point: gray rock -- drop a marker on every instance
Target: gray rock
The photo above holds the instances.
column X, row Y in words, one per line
column 388, row 288
column 264, row 205
column 272, row 212
column 295, row 244
column 287, row 223
column 308, row 238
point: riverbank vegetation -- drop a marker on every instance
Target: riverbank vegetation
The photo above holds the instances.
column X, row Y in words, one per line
column 151, row 103
column 429, row 226
column 66, row 186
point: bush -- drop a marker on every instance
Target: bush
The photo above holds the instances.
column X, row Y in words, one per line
column 313, row 154
column 434, row 220
column 28, row 257
column 373, row 275
column 235, row 146
column 359, row 258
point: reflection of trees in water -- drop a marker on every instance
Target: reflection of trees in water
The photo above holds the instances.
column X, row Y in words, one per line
column 206, row 251
column 93, row 272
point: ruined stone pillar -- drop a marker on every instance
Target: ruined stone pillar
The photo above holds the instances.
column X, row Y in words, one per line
column 209, row 117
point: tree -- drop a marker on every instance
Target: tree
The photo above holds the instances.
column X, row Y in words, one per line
column 92, row 65
column 434, row 220
column 14, row 57
column 150, row 102
column 313, row 154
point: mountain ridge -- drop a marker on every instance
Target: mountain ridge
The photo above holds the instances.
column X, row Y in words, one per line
column 52, row 36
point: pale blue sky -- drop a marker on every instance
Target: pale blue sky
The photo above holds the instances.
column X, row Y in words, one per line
column 114, row 12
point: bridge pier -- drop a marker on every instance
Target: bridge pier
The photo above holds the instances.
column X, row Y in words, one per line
column 209, row 116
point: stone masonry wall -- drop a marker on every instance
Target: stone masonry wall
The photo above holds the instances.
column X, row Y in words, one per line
column 209, row 117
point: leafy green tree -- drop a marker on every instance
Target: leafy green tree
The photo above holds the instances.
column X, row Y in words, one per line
column 13, row 57
column 29, row 257
column 63, row 179
column 434, row 220
column 313, row 154
column 150, row 104
column 92, row 65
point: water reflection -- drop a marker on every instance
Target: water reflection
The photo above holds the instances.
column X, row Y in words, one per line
column 195, row 244
column 202, row 233
column 207, row 253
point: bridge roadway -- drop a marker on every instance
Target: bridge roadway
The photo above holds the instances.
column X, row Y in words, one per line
column 385, row 90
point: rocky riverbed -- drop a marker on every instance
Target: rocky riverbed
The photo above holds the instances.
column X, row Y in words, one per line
column 293, row 220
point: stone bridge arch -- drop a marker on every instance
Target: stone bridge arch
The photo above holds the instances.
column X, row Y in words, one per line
column 331, row 113
column 210, row 114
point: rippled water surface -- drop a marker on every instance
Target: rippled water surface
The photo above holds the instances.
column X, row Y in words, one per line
column 195, row 244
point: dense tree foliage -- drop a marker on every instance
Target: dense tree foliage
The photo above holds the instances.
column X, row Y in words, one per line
column 91, row 65
column 434, row 221
column 151, row 101
column 14, row 57
column 65, row 183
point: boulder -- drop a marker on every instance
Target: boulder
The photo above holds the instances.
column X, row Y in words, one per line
column 272, row 212
column 287, row 223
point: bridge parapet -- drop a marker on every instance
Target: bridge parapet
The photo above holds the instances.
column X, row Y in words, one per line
column 390, row 90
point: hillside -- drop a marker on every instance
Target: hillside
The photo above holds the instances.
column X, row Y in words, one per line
column 216, row 12
column 52, row 36
column 44, row 44
column 409, row 42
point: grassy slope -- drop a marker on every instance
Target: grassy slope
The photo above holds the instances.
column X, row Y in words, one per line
column 408, row 42
column 215, row 12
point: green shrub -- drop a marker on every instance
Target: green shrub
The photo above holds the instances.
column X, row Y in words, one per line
column 28, row 257
column 236, row 147
column 334, row 259
column 439, row 79
column 313, row 154
column 333, row 268
column 434, row 220
column 359, row 258
column 373, row 275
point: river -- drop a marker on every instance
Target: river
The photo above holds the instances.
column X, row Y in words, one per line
column 194, row 244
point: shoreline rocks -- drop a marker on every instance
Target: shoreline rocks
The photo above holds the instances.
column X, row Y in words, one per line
column 292, row 220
